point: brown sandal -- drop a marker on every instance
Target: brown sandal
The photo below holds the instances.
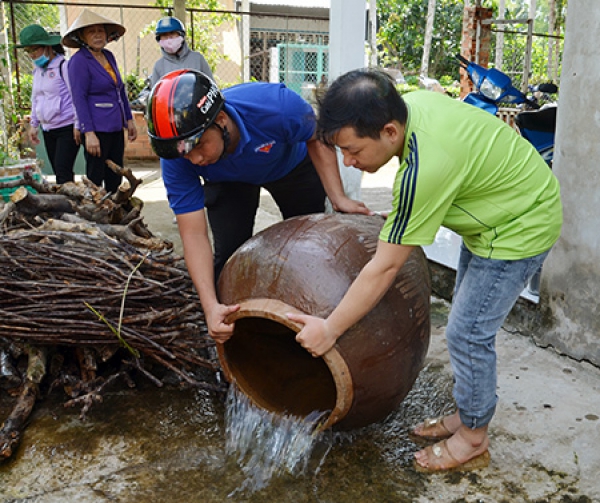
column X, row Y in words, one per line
column 437, row 452
column 432, row 429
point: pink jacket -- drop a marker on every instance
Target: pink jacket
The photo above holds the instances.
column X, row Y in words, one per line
column 51, row 103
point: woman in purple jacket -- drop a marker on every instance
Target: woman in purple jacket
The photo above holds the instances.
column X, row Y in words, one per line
column 51, row 104
column 99, row 96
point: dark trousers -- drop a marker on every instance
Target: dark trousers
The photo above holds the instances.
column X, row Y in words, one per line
column 62, row 152
column 112, row 146
column 232, row 206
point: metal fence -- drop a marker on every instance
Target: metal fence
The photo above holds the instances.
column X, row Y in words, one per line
column 239, row 46
column 514, row 47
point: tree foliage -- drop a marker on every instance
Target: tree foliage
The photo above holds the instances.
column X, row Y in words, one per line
column 401, row 33
column 402, row 29
column 543, row 66
column 45, row 15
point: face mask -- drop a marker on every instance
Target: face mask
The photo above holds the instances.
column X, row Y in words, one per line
column 171, row 45
column 42, row 61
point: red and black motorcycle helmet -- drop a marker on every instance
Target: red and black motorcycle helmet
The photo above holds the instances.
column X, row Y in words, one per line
column 182, row 105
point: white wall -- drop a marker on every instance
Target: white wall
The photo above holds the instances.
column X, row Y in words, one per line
column 347, row 52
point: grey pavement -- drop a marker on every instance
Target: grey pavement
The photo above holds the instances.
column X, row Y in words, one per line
column 165, row 445
column 546, row 432
column 545, row 437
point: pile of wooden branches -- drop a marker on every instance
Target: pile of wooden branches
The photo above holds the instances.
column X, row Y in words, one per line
column 79, row 207
column 83, row 282
column 102, row 294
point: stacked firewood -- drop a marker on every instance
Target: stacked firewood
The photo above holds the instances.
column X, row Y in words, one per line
column 88, row 295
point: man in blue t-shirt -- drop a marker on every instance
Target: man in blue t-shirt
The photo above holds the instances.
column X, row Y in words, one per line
column 217, row 150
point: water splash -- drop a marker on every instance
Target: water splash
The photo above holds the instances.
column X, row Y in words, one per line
column 266, row 444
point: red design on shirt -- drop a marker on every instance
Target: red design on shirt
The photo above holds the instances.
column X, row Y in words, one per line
column 265, row 148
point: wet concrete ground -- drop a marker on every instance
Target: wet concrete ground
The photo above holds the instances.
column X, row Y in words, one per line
column 167, row 445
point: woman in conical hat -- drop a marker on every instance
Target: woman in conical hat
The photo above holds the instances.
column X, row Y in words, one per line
column 72, row 38
column 99, row 96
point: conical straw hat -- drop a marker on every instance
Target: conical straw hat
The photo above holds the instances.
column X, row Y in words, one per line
column 89, row 18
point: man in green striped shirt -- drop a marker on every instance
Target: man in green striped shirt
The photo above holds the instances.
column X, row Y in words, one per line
column 462, row 168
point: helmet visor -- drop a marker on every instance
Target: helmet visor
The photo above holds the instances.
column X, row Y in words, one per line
column 173, row 148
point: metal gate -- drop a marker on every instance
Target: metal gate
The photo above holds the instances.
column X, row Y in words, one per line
column 513, row 50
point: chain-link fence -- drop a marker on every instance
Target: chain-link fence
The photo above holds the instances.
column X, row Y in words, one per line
column 239, row 46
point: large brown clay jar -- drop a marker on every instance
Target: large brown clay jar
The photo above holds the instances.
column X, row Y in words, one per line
column 306, row 264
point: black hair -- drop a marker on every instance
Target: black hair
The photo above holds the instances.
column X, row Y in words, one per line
column 58, row 49
column 365, row 100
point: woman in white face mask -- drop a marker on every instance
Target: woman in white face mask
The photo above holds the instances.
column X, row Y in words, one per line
column 176, row 54
column 52, row 108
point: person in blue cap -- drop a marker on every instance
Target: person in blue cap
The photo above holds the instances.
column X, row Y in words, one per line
column 176, row 54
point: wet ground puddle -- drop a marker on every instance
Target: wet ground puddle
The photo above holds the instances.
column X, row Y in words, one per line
column 170, row 445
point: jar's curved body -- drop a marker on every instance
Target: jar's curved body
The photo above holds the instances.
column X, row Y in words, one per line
column 306, row 264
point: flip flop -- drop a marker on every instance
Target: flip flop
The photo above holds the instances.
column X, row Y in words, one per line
column 433, row 429
column 436, row 453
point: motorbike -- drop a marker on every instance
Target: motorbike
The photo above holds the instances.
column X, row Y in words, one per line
column 536, row 122
column 141, row 100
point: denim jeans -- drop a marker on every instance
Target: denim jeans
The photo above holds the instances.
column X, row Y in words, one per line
column 485, row 292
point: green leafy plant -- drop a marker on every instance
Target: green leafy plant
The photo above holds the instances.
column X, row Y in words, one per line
column 407, row 88
column 134, row 84
column 9, row 119
column 22, row 94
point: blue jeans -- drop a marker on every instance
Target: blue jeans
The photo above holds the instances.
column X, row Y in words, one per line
column 485, row 292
